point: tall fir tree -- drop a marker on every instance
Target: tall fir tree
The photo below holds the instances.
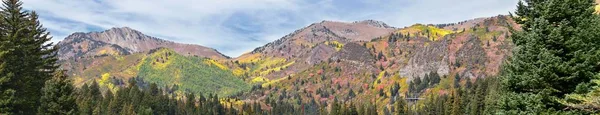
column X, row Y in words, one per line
column 557, row 54
column 29, row 59
column 456, row 103
column 58, row 96
column 6, row 93
column 89, row 98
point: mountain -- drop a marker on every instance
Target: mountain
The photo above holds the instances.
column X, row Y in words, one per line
column 359, row 61
column 306, row 47
column 123, row 41
column 165, row 67
column 116, row 55
column 316, row 63
column 162, row 66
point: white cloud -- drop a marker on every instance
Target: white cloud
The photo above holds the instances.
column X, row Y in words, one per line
column 237, row 26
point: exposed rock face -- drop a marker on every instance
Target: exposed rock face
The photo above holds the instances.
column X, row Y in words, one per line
column 477, row 49
column 320, row 54
column 375, row 23
column 359, row 31
column 472, row 55
column 119, row 41
column 426, row 59
column 355, row 53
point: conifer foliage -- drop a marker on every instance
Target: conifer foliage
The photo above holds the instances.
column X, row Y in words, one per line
column 58, row 96
column 28, row 60
column 132, row 99
column 557, row 54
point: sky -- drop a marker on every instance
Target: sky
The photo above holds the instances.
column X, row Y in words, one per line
column 234, row 27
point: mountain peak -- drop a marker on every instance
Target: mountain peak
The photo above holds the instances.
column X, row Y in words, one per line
column 374, row 23
column 122, row 30
column 127, row 40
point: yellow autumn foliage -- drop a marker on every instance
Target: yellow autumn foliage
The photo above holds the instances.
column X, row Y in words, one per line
column 249, row 58
column 434, row 32
column 105, row 81
column 238, row 71
column 259, row 80
column 160, row 54
column 215, row 63
column 338, row 46
column 276, row 69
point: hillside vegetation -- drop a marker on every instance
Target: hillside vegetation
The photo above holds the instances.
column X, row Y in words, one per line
column 166, row 68
column 162, row 66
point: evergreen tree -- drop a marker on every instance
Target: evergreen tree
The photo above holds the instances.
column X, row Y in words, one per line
column 456, row 81
column 456, row 103
column 29, row 60
column 128, row 110
column 400, row 106
column 468, row 83
column 108, row 97
column 190, row 103
column 113, row 107
column 371, row 109
column 6, row 93
column 352, row 110
column 556, row 55
column 434, row 77
column 91, row 96
column 335, row 108
column 58, row 96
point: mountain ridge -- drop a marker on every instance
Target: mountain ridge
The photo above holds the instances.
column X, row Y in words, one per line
column 129, row 40
column 315, row 58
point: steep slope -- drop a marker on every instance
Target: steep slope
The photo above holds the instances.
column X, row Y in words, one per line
column 379, row 69
column 306, row 47
column 121, row 41
column 162, row 66
column 119, row 54
column 363, row 62
column 191, row 74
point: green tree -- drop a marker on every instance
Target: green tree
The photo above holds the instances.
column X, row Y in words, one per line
column 90, row 97
column 557, row 54
column 352, row 110
column 29, row 58
column 58, row 96
column 128, row 110
column 401, row 106
column 456, row 103
column 6, row 93
column 335, row 107
column 456, row 81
